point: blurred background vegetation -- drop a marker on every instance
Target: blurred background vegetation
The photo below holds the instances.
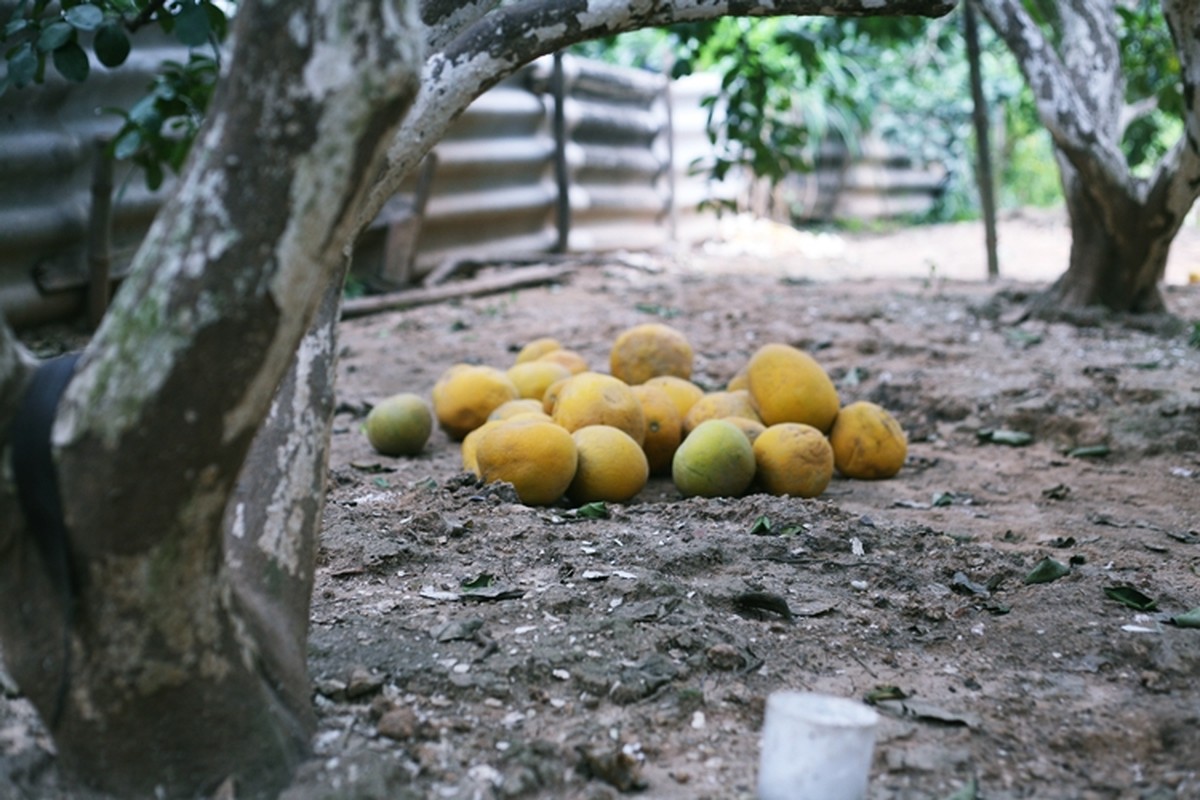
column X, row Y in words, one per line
column 787, row 86
column 788, row 83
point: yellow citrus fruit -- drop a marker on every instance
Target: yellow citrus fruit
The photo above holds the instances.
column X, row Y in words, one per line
column 537, row 457
column 465, row 396
column 715, row 460
column 511, row 408
column 532, row 378
column 550, row 398
column 444, row 378
column 683, row 392
column 592, row 398
column 738, row 381
column 716, row 405
column 537, row 348
column 867, row 442
column 788, row 385
column 471, row 441
column 649, row 350
column 793, row 459
column 664, row 426
column 570, row 359
column 399, row 425
column 612, row 467
column 751, row 427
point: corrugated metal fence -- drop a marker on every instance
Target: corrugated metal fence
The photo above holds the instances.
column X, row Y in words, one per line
column 566, row 155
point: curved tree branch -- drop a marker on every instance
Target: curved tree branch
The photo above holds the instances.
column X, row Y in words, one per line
column 1078, row 127
column 474, row 51
column 1177, row 177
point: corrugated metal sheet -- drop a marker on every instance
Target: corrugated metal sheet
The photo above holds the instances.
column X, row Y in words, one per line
column 592, row 157
column 495, row 182
column 879, row 181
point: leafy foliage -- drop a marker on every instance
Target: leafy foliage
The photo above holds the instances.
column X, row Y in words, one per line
column 157, row 131
column 791, row 85
column 1152, row 77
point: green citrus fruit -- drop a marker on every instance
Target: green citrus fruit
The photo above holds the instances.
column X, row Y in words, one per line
column 400, row 425
column 715, row 460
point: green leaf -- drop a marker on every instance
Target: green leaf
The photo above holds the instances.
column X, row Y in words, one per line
column 1130, row 598
column 23, row 66
column 54, row 36
column 1011, row 438
column 1091, row 451
column 1189, row 620
column 597, row 510
column 145, row 112
column 127, row 144
column 887, row 692
column 481, row 581
column 1047, row 571
column 761, row 526
column 15, row 26
column 72, row 63
column 111, row 44
column 86, row 17
column 191, row 25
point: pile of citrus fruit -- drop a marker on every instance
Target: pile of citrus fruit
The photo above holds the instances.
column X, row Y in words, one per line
column 555, row 429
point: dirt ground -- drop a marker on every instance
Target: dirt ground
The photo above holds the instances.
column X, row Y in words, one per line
column 466, row 646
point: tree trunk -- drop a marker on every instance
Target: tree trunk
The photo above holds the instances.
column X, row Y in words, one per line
column 1117, row 267
column 186, row 617
column 1122, row 226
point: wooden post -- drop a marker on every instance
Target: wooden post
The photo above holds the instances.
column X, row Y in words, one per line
column 99, row 242
column 983, row 157
column 562, row 173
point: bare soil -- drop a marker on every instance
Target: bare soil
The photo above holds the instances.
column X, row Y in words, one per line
column 466, row 646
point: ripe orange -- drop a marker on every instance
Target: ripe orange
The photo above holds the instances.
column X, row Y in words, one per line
column 550, row 398
column 465, row 395
column 591, row 398
column 683, row 392
column 612, row 467
column 793, row 459
column 537, row 348
column 649, row 350
column 469, row 443
column 715, row 460
column 867, row 442
column 570, row 359
column 751, row 427
column 788, row 385
column 664, row 426
column 738, row 381
column 532, row 378
column 399, row 425
column 537, row 457
column 511, row 408
column 716, row 405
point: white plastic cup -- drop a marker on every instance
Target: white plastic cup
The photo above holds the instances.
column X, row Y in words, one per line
column 815, row 747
